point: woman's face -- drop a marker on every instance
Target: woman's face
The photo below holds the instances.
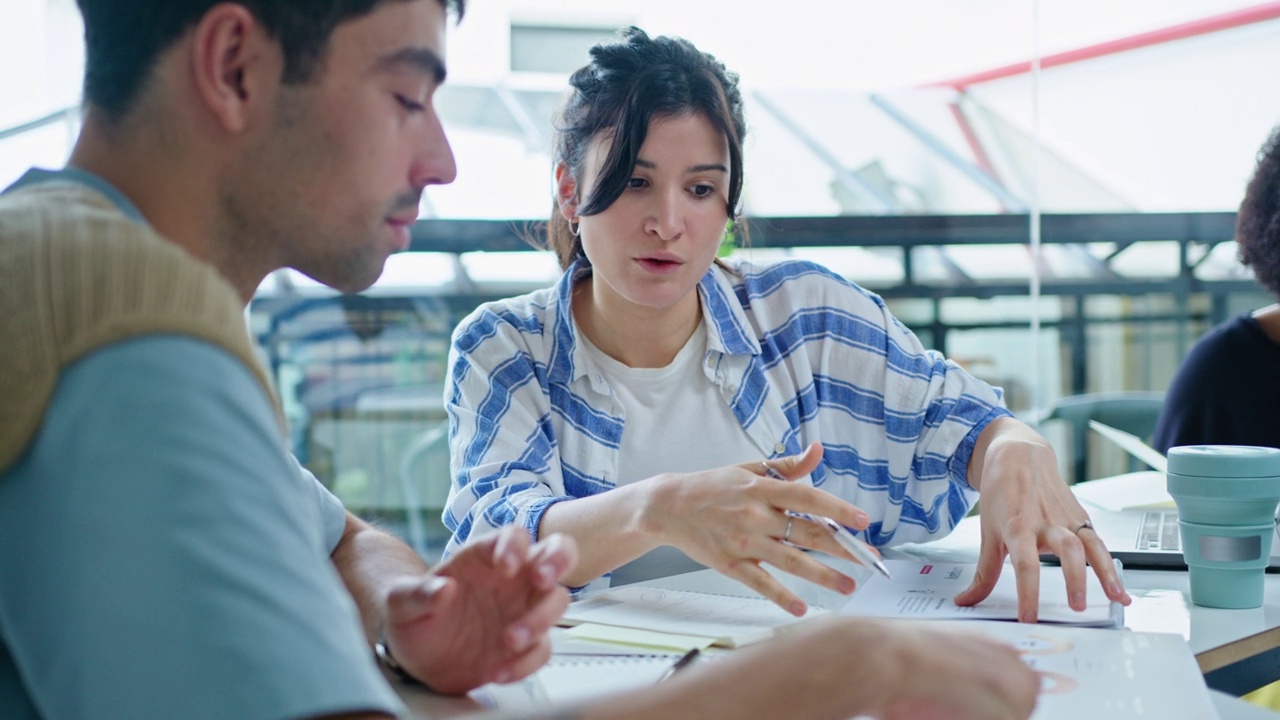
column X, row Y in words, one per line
column 656, row 241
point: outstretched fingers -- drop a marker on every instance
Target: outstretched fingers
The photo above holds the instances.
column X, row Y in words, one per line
column 411, row 599
column 1099, row 558
column 535, row 623
column 526, row 663
column 810, row 500
column 750, row 573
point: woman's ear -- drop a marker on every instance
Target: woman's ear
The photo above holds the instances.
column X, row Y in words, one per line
column 566, row 192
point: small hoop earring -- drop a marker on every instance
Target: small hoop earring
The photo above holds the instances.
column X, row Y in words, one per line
column 575, row 228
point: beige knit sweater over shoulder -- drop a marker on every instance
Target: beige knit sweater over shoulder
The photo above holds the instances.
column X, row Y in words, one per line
column 76, row 275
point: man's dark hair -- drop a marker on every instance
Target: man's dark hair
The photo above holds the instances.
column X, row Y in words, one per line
column 124, row 38
column 1258, row 222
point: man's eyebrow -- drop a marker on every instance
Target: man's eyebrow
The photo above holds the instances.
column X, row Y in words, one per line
column 419, row 59
column 692, row 169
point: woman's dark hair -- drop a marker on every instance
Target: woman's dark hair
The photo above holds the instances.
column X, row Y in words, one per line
column 124, row 38
column 1258, row 222
column 625, row 86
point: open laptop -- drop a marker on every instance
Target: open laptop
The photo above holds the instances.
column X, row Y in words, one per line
column 1149, row 537
column 1134, row 514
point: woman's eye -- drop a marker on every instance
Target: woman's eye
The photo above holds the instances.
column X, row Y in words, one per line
column 702, row 190
column 636, row 182
column 410, row 105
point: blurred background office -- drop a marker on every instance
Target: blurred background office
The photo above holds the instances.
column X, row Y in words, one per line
column 1044, row 191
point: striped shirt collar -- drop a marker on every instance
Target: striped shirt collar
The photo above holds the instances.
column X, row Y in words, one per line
column 726, row 322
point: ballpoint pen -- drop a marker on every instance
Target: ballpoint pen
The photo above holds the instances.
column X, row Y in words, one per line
column 685, row 661
column 852, row 544
column 847, row 540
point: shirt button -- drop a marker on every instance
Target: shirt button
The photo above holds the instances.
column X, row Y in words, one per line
column 731, row 388
column 779, row 449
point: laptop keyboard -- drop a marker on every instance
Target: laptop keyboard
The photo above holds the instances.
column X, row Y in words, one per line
column 1160, row 531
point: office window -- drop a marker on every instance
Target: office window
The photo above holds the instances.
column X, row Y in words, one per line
column 549, row 49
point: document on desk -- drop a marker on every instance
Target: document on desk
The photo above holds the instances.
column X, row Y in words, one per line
column 731, row 620
column 1093, row 673
column 924, row 591
column 1084, row 673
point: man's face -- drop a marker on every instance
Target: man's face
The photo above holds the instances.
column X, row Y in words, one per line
column 332, row 186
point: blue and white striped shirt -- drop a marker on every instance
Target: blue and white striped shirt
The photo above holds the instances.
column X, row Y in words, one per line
column 799, row 354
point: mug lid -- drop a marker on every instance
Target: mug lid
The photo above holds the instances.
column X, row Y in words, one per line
column 1224, row 460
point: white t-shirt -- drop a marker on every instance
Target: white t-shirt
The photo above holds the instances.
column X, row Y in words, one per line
column 676, row 420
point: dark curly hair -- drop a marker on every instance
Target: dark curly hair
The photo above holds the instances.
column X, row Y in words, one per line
column 1258, row 222
column 625, row 85
column 124, row 38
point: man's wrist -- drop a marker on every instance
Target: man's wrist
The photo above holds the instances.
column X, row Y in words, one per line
column 382, row 651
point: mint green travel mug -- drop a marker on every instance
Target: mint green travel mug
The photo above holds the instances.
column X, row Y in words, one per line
column 1226, row 497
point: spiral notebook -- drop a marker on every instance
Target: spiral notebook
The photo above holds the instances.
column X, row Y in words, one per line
column 730, row 620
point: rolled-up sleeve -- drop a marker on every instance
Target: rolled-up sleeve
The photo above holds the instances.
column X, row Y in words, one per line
column 504, row 460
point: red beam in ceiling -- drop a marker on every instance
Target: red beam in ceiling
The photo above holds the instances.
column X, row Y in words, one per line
column 1203, row 26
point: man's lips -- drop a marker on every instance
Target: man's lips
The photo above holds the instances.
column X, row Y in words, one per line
column 401, row 226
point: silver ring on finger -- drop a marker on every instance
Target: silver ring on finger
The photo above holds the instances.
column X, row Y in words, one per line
column 786, row 536
column 1086, row 525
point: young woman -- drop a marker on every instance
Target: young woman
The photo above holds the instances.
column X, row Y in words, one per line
column 654, row 396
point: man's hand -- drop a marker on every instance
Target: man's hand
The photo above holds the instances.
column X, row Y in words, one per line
column 837, row 667
column 483, row 615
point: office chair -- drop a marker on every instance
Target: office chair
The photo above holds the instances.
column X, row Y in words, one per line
column 1134, row 412
column 411, row 458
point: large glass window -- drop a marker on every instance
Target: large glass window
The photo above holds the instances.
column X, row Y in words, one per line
column 1044, row 191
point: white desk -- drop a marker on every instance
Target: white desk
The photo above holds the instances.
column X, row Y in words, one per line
column 1162, row 603
column 1224, row 641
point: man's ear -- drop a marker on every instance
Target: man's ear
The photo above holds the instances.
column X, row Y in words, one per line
column 234, row 64
column 566, row 192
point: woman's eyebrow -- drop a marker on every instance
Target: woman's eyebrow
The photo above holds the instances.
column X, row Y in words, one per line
column 691, row 169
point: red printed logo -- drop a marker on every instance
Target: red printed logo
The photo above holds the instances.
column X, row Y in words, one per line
column 926, row 569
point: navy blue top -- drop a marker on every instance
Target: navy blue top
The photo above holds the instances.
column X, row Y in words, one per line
column 1227, row 391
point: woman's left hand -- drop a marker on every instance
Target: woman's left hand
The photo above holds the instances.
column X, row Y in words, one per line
column 1027, row 509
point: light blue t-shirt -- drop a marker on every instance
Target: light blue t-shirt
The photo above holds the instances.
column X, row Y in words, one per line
column 164, row 558
column 162, row 555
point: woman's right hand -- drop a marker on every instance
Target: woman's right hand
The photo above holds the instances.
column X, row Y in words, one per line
column 734, row 518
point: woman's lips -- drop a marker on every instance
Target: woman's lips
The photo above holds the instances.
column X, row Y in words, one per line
column 659, row 265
